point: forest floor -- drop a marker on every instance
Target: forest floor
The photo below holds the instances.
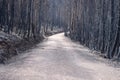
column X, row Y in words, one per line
column 59, row 58
column 11, row 45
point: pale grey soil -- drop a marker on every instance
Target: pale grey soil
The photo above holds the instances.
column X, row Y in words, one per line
column 58, row 58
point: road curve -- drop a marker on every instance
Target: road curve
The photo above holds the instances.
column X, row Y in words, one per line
column 58, row 58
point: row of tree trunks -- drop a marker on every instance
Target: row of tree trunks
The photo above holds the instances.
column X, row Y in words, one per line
column 23, row 17
column 96, row 24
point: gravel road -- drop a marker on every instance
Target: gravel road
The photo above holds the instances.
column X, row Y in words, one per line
column 58, row 58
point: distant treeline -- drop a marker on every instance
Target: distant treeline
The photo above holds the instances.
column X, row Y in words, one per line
column 96, row 24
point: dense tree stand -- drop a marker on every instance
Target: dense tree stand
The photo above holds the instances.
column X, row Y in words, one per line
column 96, row 24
